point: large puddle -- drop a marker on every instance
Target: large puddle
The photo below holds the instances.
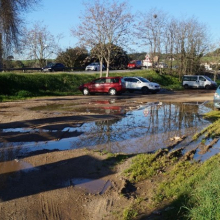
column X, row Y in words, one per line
column 94, row 106
column 144, row 128
column 148, row 128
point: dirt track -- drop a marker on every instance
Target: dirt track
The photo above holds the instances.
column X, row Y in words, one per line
column 48, row 190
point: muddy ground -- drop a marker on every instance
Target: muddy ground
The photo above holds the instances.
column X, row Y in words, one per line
column 73, row 184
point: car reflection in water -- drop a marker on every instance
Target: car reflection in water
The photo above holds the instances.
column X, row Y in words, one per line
column 129, row 133
column 103, row 109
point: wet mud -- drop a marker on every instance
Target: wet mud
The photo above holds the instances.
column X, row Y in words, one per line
column 47, row 149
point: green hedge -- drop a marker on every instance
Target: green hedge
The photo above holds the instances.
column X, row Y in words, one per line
column 41, row 84
column 23, row 85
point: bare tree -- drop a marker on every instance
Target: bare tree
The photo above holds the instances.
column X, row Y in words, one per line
column 39, row 44
column 151, row 29
column 104, row 23
column 183, row 40
column 214, row 57
column 170, row 38
column 191, row 43
column 11, row 21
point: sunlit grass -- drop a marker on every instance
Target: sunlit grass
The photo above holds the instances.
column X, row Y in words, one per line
column 191, row 188
column 212, row 130
column 147, row 165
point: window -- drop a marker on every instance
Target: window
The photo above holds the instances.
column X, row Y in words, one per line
column 115, row 80
column 202, row 78
column 189, row 78
column 108, row 80
column 127, row 79
column 101, row 80
column 134, row 80
column 143, row 79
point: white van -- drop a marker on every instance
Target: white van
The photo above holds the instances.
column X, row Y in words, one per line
column 198, row 81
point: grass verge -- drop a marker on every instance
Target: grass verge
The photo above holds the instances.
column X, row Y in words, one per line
column 190, row 189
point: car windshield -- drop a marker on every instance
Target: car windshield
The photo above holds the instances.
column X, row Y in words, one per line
column 50, row 64
column 143, row 79
column 208, row 78
column 93, row 64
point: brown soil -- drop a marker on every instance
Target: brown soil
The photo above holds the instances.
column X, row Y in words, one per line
column 48, row 191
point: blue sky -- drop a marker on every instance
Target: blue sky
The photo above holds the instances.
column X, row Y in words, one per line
column 60, row 16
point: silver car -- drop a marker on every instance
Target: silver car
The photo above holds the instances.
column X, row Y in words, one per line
column 94, row 67
column 141, row 84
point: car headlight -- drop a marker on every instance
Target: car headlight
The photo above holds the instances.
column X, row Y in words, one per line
column 152, row 85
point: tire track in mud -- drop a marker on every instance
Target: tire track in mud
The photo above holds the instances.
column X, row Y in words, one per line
column 67, row 203
column 50, row 210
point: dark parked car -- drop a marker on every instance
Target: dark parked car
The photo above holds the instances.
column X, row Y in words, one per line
column 110, row 85
column 53, row 67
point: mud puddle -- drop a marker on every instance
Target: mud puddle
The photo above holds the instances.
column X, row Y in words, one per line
column 149, row 127
column 108, row 106
column 15, row 166
column 94, row 186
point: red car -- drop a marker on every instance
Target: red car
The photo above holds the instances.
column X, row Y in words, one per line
column 135, row 64
column 110, row 85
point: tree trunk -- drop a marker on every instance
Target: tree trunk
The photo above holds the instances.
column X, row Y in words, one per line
column 107, row 70
column 101, row 65
column 1, row 52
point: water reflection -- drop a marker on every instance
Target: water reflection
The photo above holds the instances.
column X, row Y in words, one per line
column 93, row 106
column 145, row 129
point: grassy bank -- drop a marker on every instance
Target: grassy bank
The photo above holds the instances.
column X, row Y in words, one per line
column 177, row 186
column 24, row 85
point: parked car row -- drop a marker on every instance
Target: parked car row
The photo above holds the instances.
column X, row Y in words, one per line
column 118, row 85
column 51, row 67
column 134, row 64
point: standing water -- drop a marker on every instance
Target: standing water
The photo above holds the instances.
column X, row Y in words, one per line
column 145, row 129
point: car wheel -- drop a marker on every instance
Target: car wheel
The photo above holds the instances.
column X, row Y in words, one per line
column 186, row 86
column 145, row 90
column 207, row 87
column 85, row 91
column 95, row 69
column 112, row 92
column 130, row 90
